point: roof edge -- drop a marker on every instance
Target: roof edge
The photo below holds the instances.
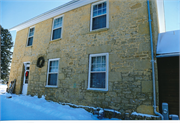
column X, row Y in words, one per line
column 168, row 55
column 73, row 4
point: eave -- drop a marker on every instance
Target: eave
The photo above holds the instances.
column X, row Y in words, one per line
column 52, row 13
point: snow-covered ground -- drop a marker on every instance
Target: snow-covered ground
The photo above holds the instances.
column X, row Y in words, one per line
column 3, row 88
column 21, row 107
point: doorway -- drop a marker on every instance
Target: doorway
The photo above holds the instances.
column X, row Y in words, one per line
column 26, row 78
column 168, row 76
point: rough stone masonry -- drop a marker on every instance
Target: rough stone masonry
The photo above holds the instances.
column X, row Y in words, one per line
column 126, row 40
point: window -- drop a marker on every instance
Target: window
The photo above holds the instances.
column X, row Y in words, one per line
column 99, row 15
column 30, row 36
column 57, row 28
column 52, row 74
column 98, row 72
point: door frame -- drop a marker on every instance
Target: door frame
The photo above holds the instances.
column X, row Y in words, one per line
column 25, row 69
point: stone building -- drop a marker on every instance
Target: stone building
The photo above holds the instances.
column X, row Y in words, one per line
column 89, row 52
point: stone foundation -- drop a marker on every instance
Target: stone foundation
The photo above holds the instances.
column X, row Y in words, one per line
column 112, row 113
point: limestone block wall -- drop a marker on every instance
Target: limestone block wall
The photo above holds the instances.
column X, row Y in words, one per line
column 126, row 40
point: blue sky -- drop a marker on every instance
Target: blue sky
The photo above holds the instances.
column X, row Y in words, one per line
column 14, row 12
column 172, row 14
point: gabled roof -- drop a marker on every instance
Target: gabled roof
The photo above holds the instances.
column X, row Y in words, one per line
column 54, row 12
column 169, row 43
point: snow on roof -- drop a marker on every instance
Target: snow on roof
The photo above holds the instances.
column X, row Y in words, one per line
column 168, row 43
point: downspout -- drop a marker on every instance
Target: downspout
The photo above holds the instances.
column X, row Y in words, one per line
column 152, row 60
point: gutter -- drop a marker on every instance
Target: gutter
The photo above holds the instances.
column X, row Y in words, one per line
column 152, row 60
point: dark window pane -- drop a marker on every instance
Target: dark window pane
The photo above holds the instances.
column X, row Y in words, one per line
column 56, row 34
column 104, row 5
column 100, row 6
column 95, row 8
column 98, row 80
column 52, row 79
column 30, row 41
column 94, row 59
column 95, row 13
column 99, row 59
column 104, row 11
column 100, row 12
column 99, row 22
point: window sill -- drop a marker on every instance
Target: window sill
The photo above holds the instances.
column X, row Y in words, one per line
column 55, row 40
column 98, row 90
column 47, row 86
column 29, row 46
column 98, row 30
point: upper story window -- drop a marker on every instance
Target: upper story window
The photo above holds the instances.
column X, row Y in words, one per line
column 52, row 74
column 99, row 15
column 57, row 28
column 98, row 72
column 30, row 36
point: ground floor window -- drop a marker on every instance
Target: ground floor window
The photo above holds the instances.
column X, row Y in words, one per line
column 52, row 74
column 98, row 71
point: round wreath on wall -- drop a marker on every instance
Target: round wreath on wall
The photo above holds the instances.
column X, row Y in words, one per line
column 40, row 62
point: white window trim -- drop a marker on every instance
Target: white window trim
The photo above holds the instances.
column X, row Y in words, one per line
column 107, row 71
column 30, row 36
column 57, row 28
column 55, row 59
column 107, row 14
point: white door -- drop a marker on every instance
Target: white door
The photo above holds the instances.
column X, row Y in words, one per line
column 26, row 77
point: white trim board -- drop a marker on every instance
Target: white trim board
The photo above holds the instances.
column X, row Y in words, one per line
column 52, row 13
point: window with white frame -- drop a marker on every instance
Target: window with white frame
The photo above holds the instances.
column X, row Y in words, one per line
column 52, row 74
column 30, row 36
column 57, row 28
column 98, row 71
column 99, row 15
